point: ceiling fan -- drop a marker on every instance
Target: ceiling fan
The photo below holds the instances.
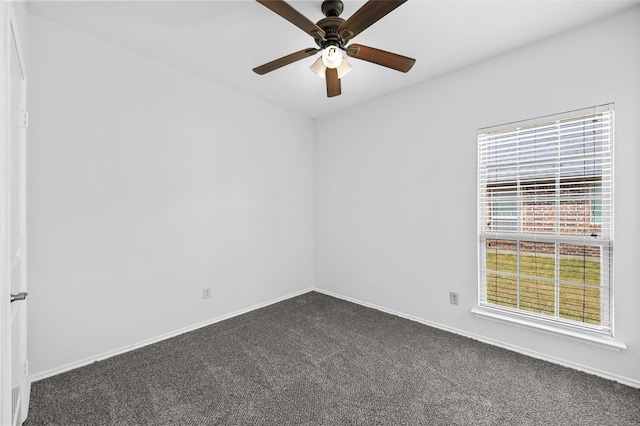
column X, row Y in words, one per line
column 332, row 35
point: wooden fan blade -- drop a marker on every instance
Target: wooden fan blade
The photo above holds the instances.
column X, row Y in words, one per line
column 333, row 83
column 381, row 57
column 371, row 12
column 287, row 11
column 285, row 60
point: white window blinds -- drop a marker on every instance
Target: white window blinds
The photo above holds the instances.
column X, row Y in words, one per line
column 545, row 218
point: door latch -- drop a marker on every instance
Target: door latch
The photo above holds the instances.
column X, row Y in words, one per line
column 19, row 296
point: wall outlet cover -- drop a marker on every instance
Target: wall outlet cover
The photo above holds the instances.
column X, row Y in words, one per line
column 206, row 293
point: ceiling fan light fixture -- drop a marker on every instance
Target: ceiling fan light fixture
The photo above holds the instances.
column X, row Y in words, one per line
column 320, row 69
column 344, row 68
column 332, row 57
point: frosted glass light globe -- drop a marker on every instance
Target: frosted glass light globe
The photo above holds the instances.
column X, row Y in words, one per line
column 332, row 57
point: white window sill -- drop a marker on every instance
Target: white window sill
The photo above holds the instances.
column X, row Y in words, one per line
column 600, row 341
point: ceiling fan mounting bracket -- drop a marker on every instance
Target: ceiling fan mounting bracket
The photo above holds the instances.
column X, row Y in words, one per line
column 332, row 7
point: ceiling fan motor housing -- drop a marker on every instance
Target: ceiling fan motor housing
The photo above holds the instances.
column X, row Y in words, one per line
column 332, row 10
column 330, row 26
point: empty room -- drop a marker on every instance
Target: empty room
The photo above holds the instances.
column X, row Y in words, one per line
column 421, row 212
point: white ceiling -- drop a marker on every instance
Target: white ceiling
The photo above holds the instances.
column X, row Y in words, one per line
column 222, row 41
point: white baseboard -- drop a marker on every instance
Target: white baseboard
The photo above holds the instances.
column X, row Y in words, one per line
column 514, row 348
column 105, row 355
column 604, row 374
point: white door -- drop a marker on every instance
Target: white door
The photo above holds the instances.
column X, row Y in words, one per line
column 15, row 392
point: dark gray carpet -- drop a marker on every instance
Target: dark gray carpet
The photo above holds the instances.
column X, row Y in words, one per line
column 318, row 360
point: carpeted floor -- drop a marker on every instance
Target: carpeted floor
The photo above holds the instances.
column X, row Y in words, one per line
column 317, row 360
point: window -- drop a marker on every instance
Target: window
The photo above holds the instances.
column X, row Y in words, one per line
column 545, row 219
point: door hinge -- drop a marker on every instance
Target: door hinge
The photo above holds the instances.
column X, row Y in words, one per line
column 25, row 370
column 24, row 119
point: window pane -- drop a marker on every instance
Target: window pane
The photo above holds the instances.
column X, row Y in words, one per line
column 577, row 208
column 537, row 260
column 537, row 272
column 504, row 208
column 581, row 280
column 501, row 256
column 580, row 264
column 502, row 290
column 580, row 303
column 537, row 296
column 538, row 207
column 501, row 261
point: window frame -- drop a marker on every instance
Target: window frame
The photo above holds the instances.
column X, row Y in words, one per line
column 603, row 241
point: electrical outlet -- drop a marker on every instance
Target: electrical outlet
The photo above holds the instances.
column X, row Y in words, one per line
column 206, row 293
column 453, row 298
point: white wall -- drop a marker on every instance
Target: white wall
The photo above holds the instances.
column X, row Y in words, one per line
column 145, row 185
column 395, row 195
